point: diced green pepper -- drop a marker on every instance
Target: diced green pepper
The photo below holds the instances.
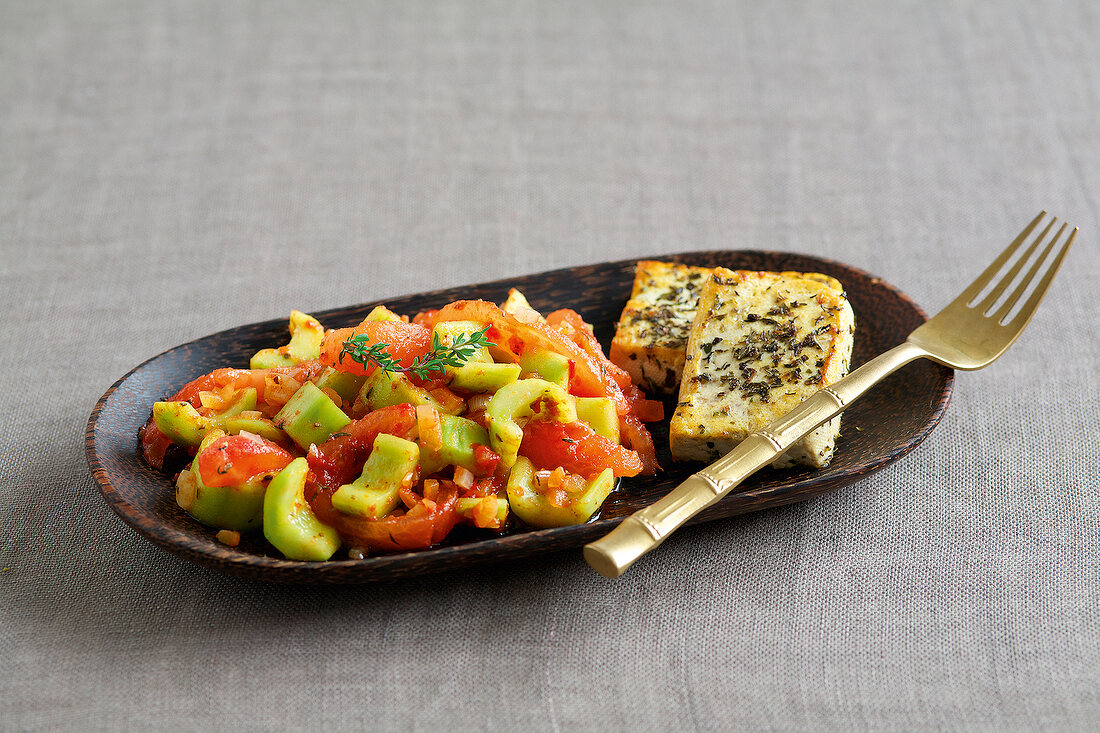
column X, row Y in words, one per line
column 383, row 389
column 345, row 384
column 310, row 416
column 306, row 334
column 180, row 422
column 516, row 401
column 460, row 435
column 382, row 313
column 482, row 377
column 515, row 301
column 599, row 413
column 531, row 506
column 238, row 507
column 548, row 365
column 392, row 462
column 259, row 425
column 289, row 522
column 210, row 436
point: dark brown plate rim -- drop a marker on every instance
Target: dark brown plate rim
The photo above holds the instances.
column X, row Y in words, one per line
column 114, row 457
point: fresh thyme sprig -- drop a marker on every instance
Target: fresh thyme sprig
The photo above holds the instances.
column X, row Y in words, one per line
column 361, row 350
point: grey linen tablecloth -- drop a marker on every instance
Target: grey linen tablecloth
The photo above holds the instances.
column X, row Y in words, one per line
column 169, row 170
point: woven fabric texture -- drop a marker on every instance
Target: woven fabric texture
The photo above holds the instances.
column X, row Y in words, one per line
column 168, row 170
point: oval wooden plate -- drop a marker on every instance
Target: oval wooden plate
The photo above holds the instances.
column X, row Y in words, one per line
column 879, row 429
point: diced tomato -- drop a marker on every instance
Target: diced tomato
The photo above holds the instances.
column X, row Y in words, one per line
column 422, row 526
column 339, row 460
column 234, row 459
column 207, row 382
column 485, row 460
column 426, row 319
column 319, row 497
column 570, row 323
column 154, row 444
column 491, row 486
column 229, row 379
column 404, row 342
column 430, row 382
column 644, row 409
column 637, row 438
column 479, row 417
column 576, row 448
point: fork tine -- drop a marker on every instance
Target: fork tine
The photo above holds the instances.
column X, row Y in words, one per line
column 1002, row 285
column 1018, row 293
column 1032, row 303
column 984, row 279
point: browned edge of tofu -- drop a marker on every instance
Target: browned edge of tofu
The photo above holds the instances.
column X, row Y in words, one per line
column 652, row 332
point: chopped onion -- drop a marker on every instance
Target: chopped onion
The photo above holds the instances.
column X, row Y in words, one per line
column 526, row 315
column 187, row 488
column 229, row 537
column 408, row 497
column 427, row 423
column 251, row 436
column 278, row 389
column 557, row 478
column 486, row 513
column 463, row 477
column 478, row 402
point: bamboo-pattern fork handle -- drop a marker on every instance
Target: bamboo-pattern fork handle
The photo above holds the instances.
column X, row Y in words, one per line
column 639, row 533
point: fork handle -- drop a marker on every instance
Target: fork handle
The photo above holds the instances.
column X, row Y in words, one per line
column 639, row 533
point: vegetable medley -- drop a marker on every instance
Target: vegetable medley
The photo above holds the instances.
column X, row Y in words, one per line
column 383, row 437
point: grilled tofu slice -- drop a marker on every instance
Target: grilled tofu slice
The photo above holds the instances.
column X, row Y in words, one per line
column 652, row 333
column 760, row 343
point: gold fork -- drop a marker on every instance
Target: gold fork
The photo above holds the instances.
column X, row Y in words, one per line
column 967, row 334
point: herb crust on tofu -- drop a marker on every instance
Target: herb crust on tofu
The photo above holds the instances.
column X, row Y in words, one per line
column 760, row 344
column 652, row 333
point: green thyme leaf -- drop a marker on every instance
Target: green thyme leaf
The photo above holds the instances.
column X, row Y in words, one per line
column 359, row 349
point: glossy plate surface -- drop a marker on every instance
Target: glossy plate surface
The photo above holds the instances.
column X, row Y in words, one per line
column 882, row 427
